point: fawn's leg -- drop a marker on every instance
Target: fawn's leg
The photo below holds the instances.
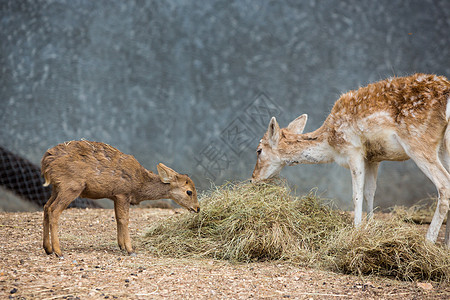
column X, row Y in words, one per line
column 46, row 223
column 122, row 211
column 65, row 196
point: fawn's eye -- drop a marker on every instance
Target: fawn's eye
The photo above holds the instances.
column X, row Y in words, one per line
column 258, row 151
column 189, row 193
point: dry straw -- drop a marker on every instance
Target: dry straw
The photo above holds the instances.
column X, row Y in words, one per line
column 245, row 222
column 388, row 248
column 420, row 213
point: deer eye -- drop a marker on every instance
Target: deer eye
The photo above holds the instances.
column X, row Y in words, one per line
column 189, row 193
column 258, row 151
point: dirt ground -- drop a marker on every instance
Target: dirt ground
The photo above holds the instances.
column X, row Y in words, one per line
column 94, row 268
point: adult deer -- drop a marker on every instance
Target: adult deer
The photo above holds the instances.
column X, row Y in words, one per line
column 394, row 119
column 96, row 170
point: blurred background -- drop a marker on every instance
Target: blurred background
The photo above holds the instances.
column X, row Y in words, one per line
column 193, row 84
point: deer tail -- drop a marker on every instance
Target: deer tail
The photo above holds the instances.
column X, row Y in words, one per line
column 47, row 181
column 45, row 168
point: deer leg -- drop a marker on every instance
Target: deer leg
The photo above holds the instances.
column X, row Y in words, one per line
column 370, row 185
column 357, row 169
column 435, row 171
column 442, row 209
column 447, row 231
column 445, row 159
column 46, row 223
column 63, row 199
column 444, row 155
column 441, row 179
column 122, row 211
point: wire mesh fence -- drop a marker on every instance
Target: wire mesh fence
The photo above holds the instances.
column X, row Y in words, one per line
column 24, row 179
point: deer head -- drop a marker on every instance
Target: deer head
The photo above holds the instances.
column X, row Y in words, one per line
column 271, row 154
column 181, row 190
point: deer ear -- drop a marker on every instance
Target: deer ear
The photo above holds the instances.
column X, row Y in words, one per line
column 298, row 125
column 166, row 174
column 273, row 133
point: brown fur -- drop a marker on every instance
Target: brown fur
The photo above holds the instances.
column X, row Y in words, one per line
column 96, row 170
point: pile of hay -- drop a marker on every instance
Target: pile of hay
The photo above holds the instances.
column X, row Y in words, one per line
column 245, row 222
column 420, row 213
column 388, row 248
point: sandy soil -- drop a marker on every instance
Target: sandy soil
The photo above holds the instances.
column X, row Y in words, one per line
column 94, row 268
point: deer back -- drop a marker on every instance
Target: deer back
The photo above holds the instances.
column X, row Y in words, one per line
column 102, row 169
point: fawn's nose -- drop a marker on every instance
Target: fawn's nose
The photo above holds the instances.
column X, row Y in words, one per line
column 194, row 209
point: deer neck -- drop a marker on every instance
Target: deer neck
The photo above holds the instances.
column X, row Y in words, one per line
column 153, row 188
column 306, row 148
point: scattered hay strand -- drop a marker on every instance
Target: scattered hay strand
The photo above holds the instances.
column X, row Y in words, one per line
column 245, row 222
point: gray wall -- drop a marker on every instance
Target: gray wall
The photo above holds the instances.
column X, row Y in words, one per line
column 193, row 83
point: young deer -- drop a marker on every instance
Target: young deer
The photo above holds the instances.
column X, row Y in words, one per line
column 394, row 119
column 96, row 170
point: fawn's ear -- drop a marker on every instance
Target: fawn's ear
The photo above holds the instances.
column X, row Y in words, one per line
column 273, row 133
column 298, row 125
column 165, row 173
